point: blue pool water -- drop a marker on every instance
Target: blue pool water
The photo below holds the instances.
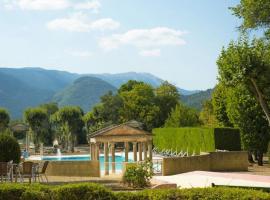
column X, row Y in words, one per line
column 118, row 160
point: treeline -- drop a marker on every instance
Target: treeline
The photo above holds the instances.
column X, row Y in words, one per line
column 134, row 100
column 154, row 107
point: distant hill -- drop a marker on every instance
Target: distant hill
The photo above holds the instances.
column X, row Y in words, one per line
column 15, row 95
column 196, row 100
column 84, row 92
column 27, row 87
column 118, row 79
column 39, row 78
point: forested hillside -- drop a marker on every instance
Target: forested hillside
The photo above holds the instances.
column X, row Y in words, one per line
column 84, row 92
column 196, row 100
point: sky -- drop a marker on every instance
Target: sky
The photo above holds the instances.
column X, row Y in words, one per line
column 176, row 40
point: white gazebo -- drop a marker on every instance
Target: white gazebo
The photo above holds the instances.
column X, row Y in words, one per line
column 126, row 133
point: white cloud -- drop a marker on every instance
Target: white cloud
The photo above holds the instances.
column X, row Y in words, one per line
column 105, row 24
column 51, row 5
column 75, row 23
column 144, row 38
column 88, row 5
column 80, row 53
column 150, row 53
column 79, row 22
column 37, row 4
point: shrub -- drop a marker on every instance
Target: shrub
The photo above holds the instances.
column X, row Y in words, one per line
column 82, row 192
column 9, row 149
column 92, row 191
column 138, row 175
column 197, row 139
column 24, row 192
column 131, row 196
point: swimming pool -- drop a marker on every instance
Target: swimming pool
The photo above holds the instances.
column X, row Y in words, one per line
column 118, row 160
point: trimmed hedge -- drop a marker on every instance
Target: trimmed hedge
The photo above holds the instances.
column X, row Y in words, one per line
column 97, row 192
column 227, row 139
column 197, row 139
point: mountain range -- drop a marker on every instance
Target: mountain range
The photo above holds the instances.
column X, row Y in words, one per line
column 27, row 87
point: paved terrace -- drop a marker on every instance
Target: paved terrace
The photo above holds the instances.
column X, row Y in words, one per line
column 205, row 179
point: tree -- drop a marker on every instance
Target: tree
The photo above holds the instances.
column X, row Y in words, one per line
column 219, row 105
column 245, row 113
column 50, row 109
column 182, row 116
column 139, row 104
column 255, row 14
column 69, row 121
column 167, row 97
column 249, row 64
column 38, row 121
column 109, row 107
column 4, row 119
column 106, row 113
column 128, row 86
column 207, row 116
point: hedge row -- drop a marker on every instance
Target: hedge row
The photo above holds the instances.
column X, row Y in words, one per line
column 97, row 192
column 197, row 139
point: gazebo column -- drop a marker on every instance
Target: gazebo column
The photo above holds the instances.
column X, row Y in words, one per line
column 144, row 151
column 97, row 151
column 106, row 158
column 150, row 150
column 135, row 151
column 140, row 151
column 92, row 151
column 113, row 157
column 126, row 151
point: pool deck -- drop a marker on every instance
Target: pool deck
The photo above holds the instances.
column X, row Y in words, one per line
column 206, row 179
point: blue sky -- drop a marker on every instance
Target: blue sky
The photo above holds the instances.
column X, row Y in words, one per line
column 176, row 40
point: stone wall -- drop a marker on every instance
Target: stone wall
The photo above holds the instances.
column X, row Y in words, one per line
column 74, row 168
column 229, row 161
column 214, row 161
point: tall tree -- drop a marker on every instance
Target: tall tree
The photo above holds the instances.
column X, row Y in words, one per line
column 4, row 119
column 167, row 97
column 109, row 107
column 245, row 113
column 255, row 14
column 139, row 104
column 38, row 121
column 105, row 113
column 207, row 116
column 219, row 105
column 50, row 109
column 249, row 64
column 182, row 116
column 128, row 86
column 71, row 124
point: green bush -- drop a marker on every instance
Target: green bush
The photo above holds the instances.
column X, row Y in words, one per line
column 197, row 139
column 82, row 192
column 24, row 192
column 91, row 191
column 9, row 149
column 138, row 175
